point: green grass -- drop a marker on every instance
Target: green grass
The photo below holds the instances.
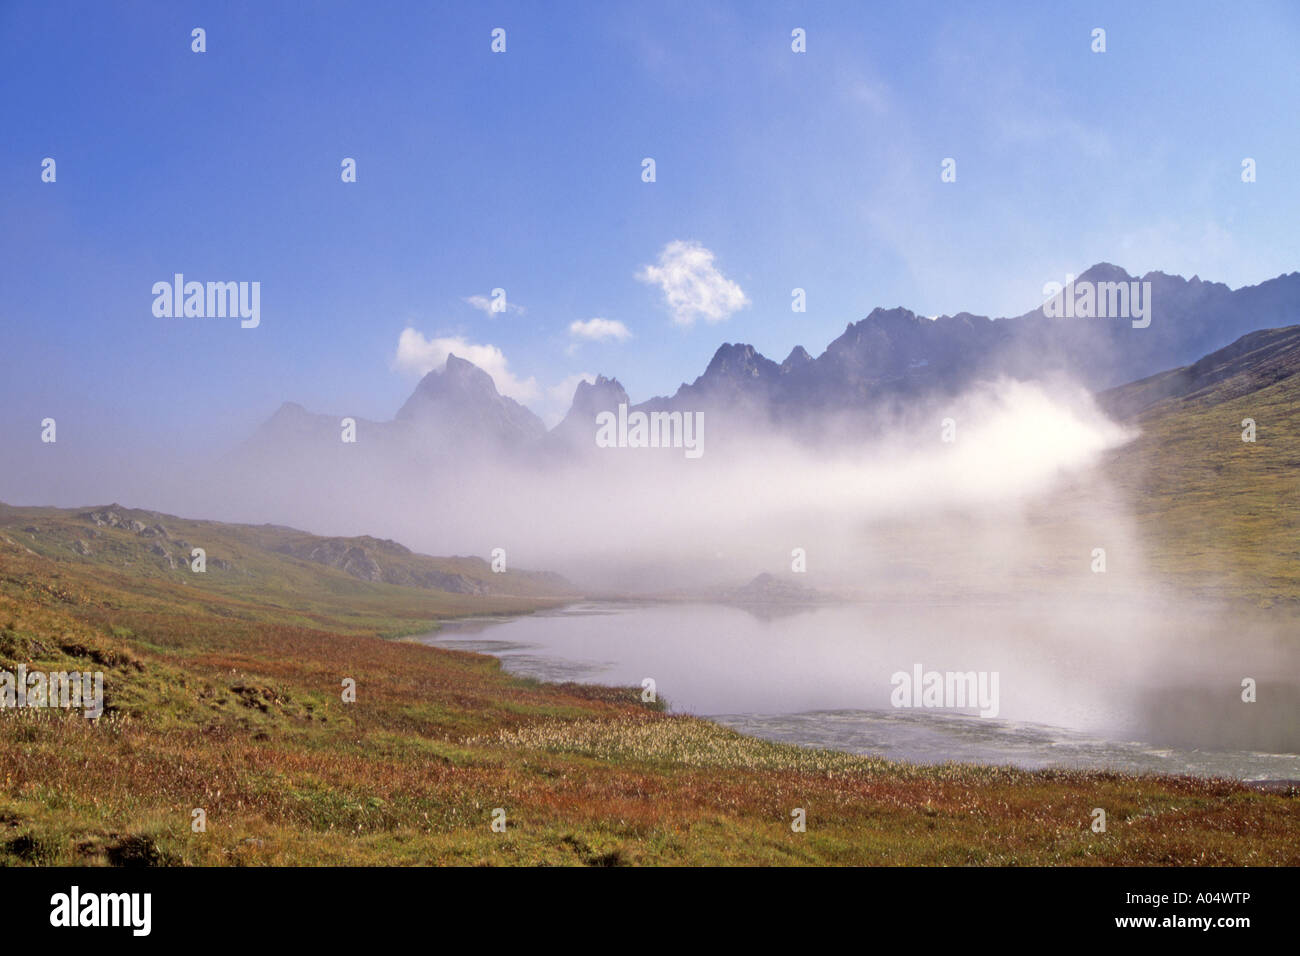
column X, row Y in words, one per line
column 1221, row 516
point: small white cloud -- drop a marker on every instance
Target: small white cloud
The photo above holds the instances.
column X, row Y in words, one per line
column 692, row 285
column 598, row 330
column 419, row 355
column 489, row 306
column 562, row 396
column 563, row 392
column 559, row 398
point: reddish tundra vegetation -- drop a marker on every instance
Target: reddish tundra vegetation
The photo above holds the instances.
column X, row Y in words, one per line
column 224, row 693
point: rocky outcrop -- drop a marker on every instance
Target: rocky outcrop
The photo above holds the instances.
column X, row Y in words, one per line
column 175, row 552
column 769, row 589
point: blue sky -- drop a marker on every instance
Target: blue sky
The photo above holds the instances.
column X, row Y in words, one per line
column 522, row 171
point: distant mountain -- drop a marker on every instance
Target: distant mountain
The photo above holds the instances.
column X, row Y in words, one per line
column 453, row 410
column 576, row 430
column 891, row 357
column 292, row 426
column 460, row 402
column 895, row 354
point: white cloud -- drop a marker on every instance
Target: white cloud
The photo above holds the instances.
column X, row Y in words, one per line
column 597, row 330
column 693, row 287
column 560, row 397
column 563, row 392
column 419, row 355
column 485, row 303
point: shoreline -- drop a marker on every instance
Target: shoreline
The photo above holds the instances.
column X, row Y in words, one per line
column 1270, row 784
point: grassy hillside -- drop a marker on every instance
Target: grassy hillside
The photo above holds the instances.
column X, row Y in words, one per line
column 291, row 576
column 1218, row 515
column 223, row 693
column 1187, row 511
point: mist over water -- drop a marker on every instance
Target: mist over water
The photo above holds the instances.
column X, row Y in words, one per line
column 640, row 520
column 970, row 554
column 1072, row 691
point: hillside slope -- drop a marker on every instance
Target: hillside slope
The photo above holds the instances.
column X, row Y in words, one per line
column 145, row 551
column 1219, row 514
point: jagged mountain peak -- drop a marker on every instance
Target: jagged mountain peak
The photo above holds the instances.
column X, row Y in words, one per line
column 888, row 354
column 738, row 358
column 291, row 411
column 897, row 318
column 1105, row 272
column 457, row 377
column 577, row 429
column 462, row 397
column 452, row 406
column 601, row 395
column 601, row 384
column 797, row 358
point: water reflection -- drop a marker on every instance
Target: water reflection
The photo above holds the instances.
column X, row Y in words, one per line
column 1126, row 687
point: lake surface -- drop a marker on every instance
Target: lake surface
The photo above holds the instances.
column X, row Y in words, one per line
column 1118, row 687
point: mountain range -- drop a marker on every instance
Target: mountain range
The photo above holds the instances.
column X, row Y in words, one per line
column 890, row 357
